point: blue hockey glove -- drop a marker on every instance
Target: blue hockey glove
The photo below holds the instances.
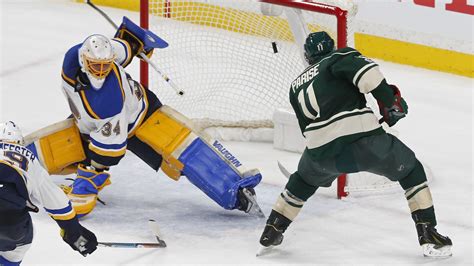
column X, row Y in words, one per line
column 397, row 111
column 140, row 40
column 84, row 191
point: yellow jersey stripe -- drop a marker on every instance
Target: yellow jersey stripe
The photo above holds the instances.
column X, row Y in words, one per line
column 64, row 217
column 69, row 80
column 108, row 153
column 119, row 78
column 87, row 105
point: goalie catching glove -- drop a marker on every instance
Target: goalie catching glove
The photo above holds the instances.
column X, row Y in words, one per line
column 398, row 110
column 139, row 39
column 83, row 192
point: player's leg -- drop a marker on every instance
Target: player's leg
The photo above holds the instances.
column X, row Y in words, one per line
column 393, row 159
column 138, row 147
column 16, row 235
column 300, row 187
column 14, row 257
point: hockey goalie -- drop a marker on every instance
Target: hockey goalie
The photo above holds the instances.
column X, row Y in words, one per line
column 112, row 113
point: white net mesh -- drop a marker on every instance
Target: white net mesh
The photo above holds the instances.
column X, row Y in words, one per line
column 234, row 63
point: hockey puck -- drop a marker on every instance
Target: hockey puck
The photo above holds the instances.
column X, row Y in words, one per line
column 275, row 48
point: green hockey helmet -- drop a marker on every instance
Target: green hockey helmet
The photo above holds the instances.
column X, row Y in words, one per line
column 317, row 44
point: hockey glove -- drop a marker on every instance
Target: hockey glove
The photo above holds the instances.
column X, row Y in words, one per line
column 140, row 40
column 397, row 111
column 86, row 187
column 78, row 237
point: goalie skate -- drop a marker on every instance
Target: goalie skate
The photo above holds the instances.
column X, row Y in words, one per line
column 248, row 203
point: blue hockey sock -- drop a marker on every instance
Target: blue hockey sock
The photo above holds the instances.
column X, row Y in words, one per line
column 5, row 262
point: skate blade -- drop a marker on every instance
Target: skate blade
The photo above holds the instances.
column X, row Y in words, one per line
column 262, row 251
column 430, row 250
column 255, row 208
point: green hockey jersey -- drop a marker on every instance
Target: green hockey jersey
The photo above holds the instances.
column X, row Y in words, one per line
column 329, row 102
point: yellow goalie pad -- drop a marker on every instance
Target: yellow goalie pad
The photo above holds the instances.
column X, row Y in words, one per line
column 168, row 133
column 58, row 146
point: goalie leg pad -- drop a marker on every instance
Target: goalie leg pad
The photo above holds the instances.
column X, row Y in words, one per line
column 57, row 146
column 214, row 176
column 184, row 151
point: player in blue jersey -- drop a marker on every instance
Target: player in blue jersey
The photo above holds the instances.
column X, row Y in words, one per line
column 343, row 135
column 23, row 185
column 115, row 113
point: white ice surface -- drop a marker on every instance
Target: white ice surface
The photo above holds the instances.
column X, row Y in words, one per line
column 360, row 230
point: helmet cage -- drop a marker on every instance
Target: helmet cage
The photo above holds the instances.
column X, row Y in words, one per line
column 97, row 68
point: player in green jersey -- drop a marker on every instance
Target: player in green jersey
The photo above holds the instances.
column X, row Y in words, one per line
column 343, row 135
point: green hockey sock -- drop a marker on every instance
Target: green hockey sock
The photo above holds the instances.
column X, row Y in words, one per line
column 414, row 178
column 421, row 204
column 299, row 188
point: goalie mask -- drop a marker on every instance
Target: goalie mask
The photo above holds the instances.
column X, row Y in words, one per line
column 96, row 57
column 9, row 132
column 317, row 45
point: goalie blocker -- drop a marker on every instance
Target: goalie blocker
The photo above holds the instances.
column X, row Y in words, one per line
column 184, row 148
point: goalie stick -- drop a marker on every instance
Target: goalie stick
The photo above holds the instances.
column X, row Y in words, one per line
column 153, row 225
column 142, row 55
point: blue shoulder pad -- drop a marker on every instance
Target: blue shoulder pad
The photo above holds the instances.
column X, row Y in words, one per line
column 149, row 39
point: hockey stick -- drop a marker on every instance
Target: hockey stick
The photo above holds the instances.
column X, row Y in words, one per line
column 153, row 225
column 142, row 55
column 129, row 245
column 102, row 13
column 283, row 170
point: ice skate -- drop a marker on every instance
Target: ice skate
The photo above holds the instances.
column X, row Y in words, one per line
column 432, row 243
column 273, row 233
column 248, row 202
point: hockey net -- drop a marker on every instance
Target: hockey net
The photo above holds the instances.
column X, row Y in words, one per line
column 236, row 59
